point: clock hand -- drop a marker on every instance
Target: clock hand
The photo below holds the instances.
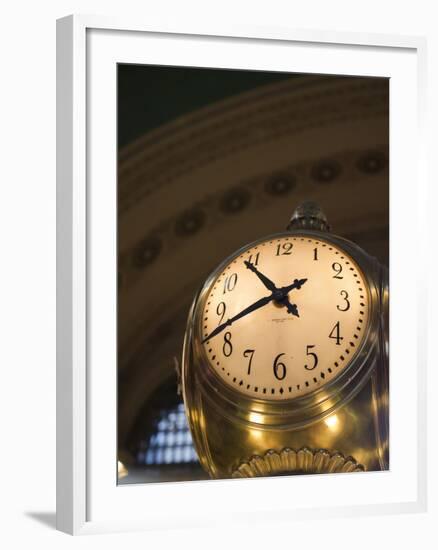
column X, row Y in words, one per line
column 267, row 282
column 279, row 295
column 256, row 305
column 291, row 308
column 298, row 283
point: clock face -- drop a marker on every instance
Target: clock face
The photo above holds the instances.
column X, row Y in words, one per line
column 285, row 317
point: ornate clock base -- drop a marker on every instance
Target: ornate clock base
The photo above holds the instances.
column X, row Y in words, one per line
column 289, row 462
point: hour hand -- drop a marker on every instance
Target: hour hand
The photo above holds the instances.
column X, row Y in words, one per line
column 267, row 282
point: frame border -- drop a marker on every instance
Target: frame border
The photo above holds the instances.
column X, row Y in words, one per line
column 71, row 266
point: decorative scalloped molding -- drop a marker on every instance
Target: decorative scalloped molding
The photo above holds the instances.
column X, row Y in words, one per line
column 304, row 460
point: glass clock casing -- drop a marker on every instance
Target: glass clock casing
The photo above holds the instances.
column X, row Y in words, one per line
column 300, row 383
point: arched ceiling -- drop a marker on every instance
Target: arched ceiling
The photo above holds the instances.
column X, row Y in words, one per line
column 205, row 183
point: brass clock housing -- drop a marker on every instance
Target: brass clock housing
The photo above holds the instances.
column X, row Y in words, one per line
column 346, row 417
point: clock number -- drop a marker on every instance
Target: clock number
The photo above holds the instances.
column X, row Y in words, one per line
column 315, row 357
column 315, row 254
column 279, row 368
column 336, row 334
column 338, row 269
column 256, row 259
column 344, row 294
column 230, row 282
column 228, row 346
column 220, row 310
column 249, row 353
column 284, row 249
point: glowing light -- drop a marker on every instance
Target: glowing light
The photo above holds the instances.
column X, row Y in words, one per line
column 256, row 434
column 121, row 470
column 332, row 422
column 257, row 418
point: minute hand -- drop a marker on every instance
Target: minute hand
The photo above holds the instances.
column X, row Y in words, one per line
column 256, row 305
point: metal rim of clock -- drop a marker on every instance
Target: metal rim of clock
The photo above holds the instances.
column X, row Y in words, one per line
column 302, row 410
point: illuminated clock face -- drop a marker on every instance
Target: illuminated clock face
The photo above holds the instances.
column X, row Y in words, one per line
column 285, row 317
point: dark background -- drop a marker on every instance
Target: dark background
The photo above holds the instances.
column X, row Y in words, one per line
column 208, row 161
column 149, row 98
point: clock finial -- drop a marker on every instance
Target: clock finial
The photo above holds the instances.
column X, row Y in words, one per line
column 309, row 215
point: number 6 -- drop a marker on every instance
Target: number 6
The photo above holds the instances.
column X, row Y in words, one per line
column 279, row 367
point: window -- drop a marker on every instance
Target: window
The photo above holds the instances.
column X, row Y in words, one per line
column 170, row 442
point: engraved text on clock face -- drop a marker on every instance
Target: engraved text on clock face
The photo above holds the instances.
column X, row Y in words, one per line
column 285, row 317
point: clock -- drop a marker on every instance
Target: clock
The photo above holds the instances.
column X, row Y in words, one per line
column 285, row 356
column 259, row 330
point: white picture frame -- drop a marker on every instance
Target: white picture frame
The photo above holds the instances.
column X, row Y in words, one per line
column 88, row 498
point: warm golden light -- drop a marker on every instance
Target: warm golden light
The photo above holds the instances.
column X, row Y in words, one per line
column 121, row 470
column 332, row 422
column 257, row 435
column 255, row 417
